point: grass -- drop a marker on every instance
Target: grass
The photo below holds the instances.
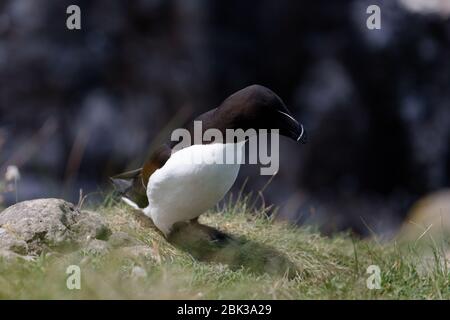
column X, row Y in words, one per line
column 263, row 259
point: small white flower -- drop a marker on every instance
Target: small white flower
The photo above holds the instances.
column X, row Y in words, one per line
column 12, row 173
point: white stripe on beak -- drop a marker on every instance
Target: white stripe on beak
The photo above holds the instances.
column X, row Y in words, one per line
column 289, row 116
column 301, row 133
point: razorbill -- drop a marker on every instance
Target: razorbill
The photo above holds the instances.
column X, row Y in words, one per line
column 169, row 189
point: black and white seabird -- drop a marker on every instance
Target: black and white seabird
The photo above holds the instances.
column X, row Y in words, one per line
column 169, row 190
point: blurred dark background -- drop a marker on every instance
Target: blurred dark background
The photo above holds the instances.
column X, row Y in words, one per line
column 79, row 106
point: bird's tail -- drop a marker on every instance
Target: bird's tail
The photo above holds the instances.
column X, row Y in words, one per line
column 131, row 203
column 129, row 186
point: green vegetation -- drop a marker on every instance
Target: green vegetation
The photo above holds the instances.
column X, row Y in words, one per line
column 264, row 259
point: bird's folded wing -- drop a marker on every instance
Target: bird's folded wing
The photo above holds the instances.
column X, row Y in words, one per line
column 133, row 184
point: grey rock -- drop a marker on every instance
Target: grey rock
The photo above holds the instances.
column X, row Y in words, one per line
column 92, row 225
column 34, row 226
column 97, row 247
column 122, row 239
column 10, row 256
column 10, row 243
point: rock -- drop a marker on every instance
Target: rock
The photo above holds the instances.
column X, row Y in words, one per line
column 10, row 243
column 92, row 225
column 122, row 239
column 97, row 247
column 10, row 256
column 428, row 217
column 34, row 226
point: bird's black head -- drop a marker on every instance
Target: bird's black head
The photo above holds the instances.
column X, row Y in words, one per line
column 258, row 107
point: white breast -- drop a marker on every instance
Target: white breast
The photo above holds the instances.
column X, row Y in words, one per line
column 189, row 184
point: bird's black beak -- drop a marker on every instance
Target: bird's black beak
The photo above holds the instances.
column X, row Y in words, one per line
column 292, row 129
